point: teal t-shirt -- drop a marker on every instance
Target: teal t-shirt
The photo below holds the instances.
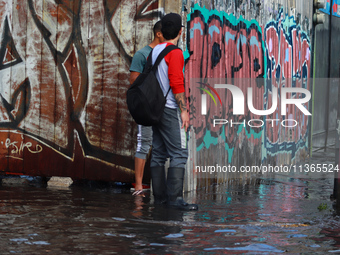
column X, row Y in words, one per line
column 139, row 59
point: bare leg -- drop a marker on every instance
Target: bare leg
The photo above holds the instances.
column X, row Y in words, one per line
column 139, row 171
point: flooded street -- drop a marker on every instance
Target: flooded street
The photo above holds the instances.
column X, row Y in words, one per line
column 292, row 215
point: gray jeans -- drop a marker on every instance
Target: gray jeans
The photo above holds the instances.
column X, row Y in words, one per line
column 169, row 140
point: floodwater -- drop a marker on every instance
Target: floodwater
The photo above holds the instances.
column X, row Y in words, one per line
column 279, row 215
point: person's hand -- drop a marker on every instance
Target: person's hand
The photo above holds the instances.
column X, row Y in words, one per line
column 181, row 101
column 185, row 120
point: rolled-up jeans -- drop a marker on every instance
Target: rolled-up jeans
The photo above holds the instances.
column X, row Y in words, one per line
column 144, row 141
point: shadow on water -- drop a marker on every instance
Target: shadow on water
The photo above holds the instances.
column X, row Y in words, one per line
column 272, row 216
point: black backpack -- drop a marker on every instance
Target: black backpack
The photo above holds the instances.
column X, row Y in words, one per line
column 145, row 97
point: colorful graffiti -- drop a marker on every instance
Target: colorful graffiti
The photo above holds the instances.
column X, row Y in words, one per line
column 64, row 76
column 289, row 65
column 335, row 8
column 63, row 81
column 222, row 48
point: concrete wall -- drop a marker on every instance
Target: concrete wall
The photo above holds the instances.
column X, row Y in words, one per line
column 326, row 93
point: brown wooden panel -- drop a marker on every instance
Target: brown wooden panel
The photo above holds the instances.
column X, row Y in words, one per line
column 33, row 65
column 115, row 77
column 20, row 31
column 68, row 68
column 14, row 96
column 8, row 97
column 3, row 151
column 100, row 170
column 95, row 60
column 50, row 86
column 5, row 50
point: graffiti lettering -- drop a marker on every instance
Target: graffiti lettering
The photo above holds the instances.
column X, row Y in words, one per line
column 17, row 148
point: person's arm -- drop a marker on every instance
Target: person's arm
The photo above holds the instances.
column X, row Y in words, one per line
column 137, row 66
column 133, row 76
column 181, row 101
column 175, row 61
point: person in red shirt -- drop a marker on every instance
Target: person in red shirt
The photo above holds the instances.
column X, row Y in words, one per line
column 170, row 134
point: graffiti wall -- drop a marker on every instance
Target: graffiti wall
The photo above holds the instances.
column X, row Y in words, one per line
column 268, row 47
column 64, row 76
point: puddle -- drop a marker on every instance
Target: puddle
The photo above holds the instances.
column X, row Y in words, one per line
column 270, row 217
column 251, row 248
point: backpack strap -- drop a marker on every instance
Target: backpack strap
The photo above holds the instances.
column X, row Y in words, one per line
column 161, row 55
column 164, row 52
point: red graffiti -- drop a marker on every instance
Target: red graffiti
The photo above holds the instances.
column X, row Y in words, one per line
column 220, row 52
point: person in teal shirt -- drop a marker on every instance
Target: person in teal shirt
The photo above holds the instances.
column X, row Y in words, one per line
column 144, row 135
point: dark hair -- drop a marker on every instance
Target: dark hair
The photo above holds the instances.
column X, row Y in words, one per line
column 169, row 30
column 157, row 28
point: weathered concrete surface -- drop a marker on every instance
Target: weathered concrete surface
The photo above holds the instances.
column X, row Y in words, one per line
column 64, row 182
column 14, row 182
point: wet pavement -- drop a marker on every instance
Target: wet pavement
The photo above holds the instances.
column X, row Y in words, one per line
column 276, row 215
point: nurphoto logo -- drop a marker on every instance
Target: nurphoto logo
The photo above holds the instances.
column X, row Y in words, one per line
column 283, row 98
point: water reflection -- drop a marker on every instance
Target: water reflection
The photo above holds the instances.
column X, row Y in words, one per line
column 270, row 216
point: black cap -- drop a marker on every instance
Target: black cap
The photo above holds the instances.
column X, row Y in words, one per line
column 172, row 19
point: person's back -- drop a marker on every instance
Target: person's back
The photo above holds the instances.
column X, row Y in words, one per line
column 169, row 136
column 173, row 64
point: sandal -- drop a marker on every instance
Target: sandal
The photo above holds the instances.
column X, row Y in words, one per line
column 138, row 193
